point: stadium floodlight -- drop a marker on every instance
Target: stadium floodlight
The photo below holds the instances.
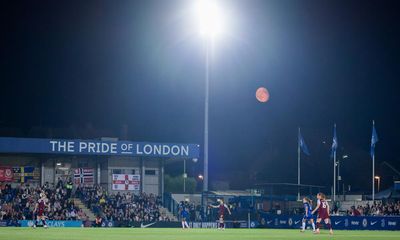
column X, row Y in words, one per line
column 211, row 18
column 379, row 182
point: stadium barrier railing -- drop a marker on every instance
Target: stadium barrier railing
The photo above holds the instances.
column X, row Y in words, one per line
column 338, row 222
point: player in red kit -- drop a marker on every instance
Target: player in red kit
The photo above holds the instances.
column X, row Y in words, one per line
column 40, row 210
column 221, row 213
column 323, row 213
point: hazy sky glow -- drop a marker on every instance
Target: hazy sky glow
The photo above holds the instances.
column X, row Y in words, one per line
column 141, row 63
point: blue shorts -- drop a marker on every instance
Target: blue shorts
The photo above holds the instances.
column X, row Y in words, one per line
column 309, row 217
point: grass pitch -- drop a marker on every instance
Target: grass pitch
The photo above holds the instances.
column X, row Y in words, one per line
column 179, row 234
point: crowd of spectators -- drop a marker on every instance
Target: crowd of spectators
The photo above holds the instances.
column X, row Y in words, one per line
column 126, row 207
column 19, row 203
column 377, row 209
column 193, row 210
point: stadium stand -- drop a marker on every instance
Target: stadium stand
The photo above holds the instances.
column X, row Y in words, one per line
column 377, row 209
column 124, row 207
column 18, row 203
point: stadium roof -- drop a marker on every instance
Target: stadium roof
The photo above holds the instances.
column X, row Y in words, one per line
column 233, row 193
column 289, row 185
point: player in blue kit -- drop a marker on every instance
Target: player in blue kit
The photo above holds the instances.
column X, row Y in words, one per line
column 307, row 214
column 185, row 217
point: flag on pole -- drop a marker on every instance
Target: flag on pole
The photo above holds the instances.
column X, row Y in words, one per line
column 334, row 142
column 374, row 139
column 302, row 144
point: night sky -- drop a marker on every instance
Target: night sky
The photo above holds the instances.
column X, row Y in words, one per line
column 75, row 64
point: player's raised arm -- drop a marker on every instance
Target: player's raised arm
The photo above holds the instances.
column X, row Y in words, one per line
column 227, row 208
column 328, row 209
column 316, row 208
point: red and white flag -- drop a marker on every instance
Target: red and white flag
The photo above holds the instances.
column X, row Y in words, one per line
column 125, row 182
column 6, row 174
column 84, row 175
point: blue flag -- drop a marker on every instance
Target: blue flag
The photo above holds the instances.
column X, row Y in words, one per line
column 374, row 139
column 25, row 174
column 302, row 144
column 334, row 142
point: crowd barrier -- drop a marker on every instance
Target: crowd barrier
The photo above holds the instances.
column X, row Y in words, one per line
column 52, row 223
column 141, row 224
column 266, row 221
column 112, row 224
column 338, row 222
column 229, row 224
column 8, row 223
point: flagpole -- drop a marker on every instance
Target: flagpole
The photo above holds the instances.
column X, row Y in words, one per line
column 298, row 167
column 334, row 175
column 334, row 166
column 373, row 177
column 373, row 168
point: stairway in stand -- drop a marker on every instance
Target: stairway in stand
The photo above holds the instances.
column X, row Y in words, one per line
column 86, row 210
column 165, row 212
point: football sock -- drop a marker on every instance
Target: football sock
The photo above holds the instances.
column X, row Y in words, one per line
column 329, row 226
column 303, row 226
column 313, row 226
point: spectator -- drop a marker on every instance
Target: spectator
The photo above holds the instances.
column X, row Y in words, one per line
column 355, row 212
column 69, row 186
column 98, row 221
column 60, row 183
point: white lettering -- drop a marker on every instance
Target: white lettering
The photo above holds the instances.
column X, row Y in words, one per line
column 175, row 150
column 98, row 147
column 147, row 149
column 138, row 150
column 105, row 148
column 53, row 145
column 82, row 146
column 166, row 150
column 91, row 147
column 130, row 146
column 185, row 150
column 113, row 148
column 157, row 149
column 62, row 146
column 124, row 146
column 70, row 146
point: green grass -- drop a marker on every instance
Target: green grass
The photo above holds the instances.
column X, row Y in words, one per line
column 178, row 234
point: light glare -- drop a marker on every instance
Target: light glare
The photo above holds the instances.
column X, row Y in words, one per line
column 210, row 18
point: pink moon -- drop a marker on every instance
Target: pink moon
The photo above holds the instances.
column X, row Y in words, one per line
column 262, row 94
